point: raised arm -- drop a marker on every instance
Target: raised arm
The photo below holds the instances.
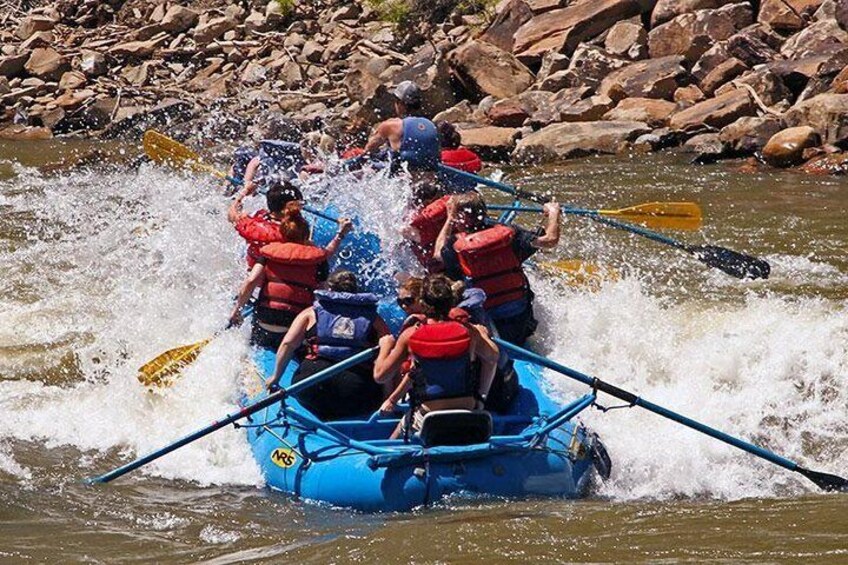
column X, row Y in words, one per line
column 446, row 231
column 345, row 225
column 293, row 339
column 550, row 238
column 234, row 213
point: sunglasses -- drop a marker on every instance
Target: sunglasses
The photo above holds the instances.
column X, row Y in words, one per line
column 405, row 301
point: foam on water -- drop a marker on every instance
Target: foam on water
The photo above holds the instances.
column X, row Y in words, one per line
column 117, row 268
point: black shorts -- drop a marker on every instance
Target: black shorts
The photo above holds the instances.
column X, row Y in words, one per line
column 260, row 337
column 349, row 394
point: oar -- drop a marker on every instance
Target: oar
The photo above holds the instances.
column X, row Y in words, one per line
column 580, row 274
column 157, row 371
column 731, row 262
column 824, row 481
column 271, row 399
column 657, row 215
column 162, row 149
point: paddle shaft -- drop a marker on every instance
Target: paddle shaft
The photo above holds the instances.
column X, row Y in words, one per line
column 269, row 400
column 631, row 398
column 313, row 211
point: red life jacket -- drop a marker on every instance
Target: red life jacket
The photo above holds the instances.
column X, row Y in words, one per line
column 429, row 222
column 291, row 275
column 463, row 159
column 441, row 351
column 486, row 257
column 258, row 230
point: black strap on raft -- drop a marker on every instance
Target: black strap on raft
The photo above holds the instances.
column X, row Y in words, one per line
column 599, row 385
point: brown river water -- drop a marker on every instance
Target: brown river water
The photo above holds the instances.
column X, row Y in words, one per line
column 104, row 269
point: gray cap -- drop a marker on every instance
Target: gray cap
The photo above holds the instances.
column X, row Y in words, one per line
column 408, row 93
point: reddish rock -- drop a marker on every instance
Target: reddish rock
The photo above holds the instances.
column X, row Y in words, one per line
column 93, row 63
column 832, row 164
column 33, row 24
column 724, row 72
column 627, row 39
column 588, row 67
column 653, row 78
column 786, row 148
column 548, row 111
column 13, row 65
column 552, row 62
column 715, row 112
column 502, row 29
column 37, row 39
column 562, row 30
column 708, row 148
column 488, row 70
column 826, row 113
column 688, row 95
column 509, row 113
column 490, row 142
column 542, row 6
column 138, row 49
column 751, row 47
column 588, row 109
column 563, row 141
column 765, row 83
column 178, row 19
column 666, row 10
column 213, row 29
column 653, row 112
column 692, row 34
column 71, row 80
column 750, row 134
column 787, row 15
column 47, row 64
column 818, row 38
column 25, row 133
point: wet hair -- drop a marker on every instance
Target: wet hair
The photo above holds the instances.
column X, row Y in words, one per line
column 448, row 136
column 425, row 192
column 414, row 286
column 471, row 210
column 293, row 225
column 437, row 296
column 343, row 281
column 281, row 193
column 458, row 288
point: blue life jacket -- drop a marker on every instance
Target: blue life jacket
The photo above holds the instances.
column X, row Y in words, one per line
column 278, row 160
column 343, row 323
column 419, row 147
column 441, row 354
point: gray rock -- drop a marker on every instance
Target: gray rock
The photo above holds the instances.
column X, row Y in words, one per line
column 563, row 141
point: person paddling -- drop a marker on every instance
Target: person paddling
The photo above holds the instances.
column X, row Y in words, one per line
column 456, row 156
column 412, row 139
column 341, row 323
column 262, row 227
column 287, row 272
column 428, row 214
column 491, row 258
column 443, row 353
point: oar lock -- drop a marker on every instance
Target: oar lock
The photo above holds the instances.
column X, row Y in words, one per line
column 599, row 385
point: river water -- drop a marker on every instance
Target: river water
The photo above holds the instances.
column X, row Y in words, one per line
column 102, row 270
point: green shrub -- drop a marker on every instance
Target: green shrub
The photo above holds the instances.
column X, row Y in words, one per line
column 286, row 6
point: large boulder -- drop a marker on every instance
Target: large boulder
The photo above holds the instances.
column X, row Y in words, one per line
column 562, row 30
column 653, row 112
column 627, row 39
column 818, row 38
column 47, row 64
column 588, row 67
column 488, row 70
column 502, row 29
column 652, row 78
column 563, row 141
column 490, row 142
column 768, row 86
column 749, row 134
column 693, row 33
column 786, row 15
column 715, row 112
column 33, row 24
column 588, row 109
column 178, row 19
column 724, row 72
column 786, row 148
column 666, row 10
column 826, row 113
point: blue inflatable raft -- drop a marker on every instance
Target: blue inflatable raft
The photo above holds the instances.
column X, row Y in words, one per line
column 534, row 449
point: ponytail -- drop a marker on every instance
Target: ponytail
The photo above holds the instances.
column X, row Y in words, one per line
column 293, row 225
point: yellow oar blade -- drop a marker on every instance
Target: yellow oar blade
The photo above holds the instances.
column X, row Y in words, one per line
column 581, row 274
column 661, row 215
column 163, row 149
column 159, row 371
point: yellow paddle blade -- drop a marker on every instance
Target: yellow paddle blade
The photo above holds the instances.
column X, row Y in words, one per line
column 163, row 149
column 581, row 274
column 159, row 371
column 659, row 215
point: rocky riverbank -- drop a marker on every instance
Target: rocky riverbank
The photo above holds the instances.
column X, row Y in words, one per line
column 525, row 80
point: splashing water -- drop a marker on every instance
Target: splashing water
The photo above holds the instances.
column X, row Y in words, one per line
column 106, row 271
